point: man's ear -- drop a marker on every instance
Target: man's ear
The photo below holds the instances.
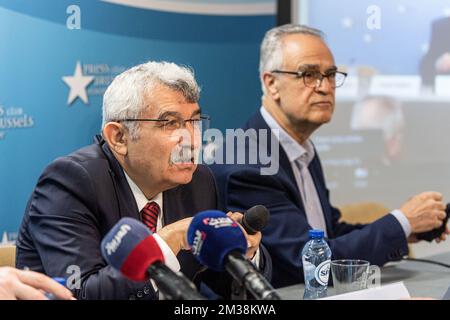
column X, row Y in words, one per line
column 271, row 85
column 117, row 137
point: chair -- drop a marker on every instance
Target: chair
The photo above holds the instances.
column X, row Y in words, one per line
column 8, row 256
column 365, row 212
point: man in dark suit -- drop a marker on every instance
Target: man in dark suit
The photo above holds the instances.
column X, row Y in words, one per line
column 143, row 167
column 437, row 59
column 299, row 78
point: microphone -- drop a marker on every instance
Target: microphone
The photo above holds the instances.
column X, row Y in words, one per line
column 218, row 242
column 437, row 232
column 255, row 219
column 130, row 248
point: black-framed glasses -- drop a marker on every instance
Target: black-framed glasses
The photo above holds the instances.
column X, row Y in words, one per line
column 313, row 79
column 172, row 123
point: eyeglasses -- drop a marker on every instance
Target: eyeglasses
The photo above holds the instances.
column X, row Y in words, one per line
column 313, row 79
column 172, row 123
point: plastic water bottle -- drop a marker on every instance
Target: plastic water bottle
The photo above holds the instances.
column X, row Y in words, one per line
column 316, row 258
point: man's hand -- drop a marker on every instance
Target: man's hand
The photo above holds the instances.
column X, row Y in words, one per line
column 425, row 211
column 413, row 237
column 444, row 235
column 28, row 285
column 175, row 235
column 253, row 241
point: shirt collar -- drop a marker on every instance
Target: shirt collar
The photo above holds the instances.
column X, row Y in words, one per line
column 294, row 150
column 139, row 196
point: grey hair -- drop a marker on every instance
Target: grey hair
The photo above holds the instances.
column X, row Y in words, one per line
column 124, row 97
column 271, row 54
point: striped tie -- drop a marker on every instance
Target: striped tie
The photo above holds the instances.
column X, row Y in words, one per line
column 149, row 215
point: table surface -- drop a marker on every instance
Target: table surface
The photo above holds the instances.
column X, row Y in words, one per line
column 421, row 279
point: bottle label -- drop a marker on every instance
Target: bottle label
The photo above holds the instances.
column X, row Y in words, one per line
column 322, row 272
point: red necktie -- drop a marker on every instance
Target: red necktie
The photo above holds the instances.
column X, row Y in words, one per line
column 149, row 215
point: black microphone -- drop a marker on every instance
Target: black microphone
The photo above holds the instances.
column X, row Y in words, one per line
column 255, row 219
column 437, row 232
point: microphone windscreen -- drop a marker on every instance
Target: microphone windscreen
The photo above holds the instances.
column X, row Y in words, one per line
column 256, row 218
column 212, row 235
column 130, row 248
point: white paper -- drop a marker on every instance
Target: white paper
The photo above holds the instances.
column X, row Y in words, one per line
column 394, row 291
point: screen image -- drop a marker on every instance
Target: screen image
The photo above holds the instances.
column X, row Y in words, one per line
column 389, row 138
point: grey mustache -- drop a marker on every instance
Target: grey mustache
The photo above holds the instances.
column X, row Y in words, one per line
column 183, row 154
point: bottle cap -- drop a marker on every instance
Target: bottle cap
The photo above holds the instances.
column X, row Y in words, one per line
column 316, row 234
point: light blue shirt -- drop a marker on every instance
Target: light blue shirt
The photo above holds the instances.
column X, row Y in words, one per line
column 300, row 156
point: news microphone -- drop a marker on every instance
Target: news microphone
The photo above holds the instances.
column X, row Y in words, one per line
column 218, row 242
column 130, row 248
column 255, row 219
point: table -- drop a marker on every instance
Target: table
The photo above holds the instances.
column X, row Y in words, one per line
column 421, row 279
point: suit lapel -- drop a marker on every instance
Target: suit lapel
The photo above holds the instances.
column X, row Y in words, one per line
column 174, row 206
column 126, row 204
column 285, row 170
column 286, row 174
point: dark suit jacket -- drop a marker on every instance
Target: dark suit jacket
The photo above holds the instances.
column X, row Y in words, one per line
column 78, row 199
column 439, row 44
column 242, row 186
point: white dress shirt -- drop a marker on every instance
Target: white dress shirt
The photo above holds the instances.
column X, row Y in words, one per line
column 141, row 200
column 300, row 156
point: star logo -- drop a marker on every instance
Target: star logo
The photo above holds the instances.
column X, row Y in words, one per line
column 78, row 85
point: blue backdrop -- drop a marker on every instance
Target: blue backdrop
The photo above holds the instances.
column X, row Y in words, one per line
column 43, row 63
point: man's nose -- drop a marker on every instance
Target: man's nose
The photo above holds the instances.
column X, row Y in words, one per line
column 196, row 137
column 324, row 86
column 190, row 136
